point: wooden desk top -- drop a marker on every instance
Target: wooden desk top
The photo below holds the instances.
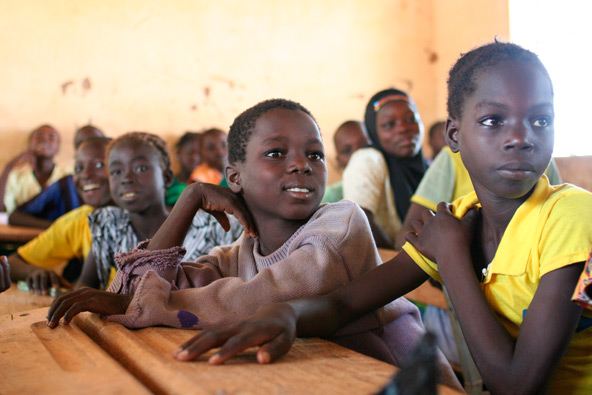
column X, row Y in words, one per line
column 92, row 355
column 18, row 234
column 312, row 366
column 36, row 359
column 13, row 301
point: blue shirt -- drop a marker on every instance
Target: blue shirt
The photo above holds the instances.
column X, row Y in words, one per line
column 54, row 201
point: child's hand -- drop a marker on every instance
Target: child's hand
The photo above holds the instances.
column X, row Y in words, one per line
column 217, row 200
column 273, row 328
column 86, row 299
column 40, row 280
column 4, row 274
column 442, row 234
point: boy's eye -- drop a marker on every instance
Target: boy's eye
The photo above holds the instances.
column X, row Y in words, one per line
column 114, row 172
column 274, row 154
column 316, row 156
column 388, row 125
column 141, row 168
column 77, row 169
column 491, row 121
column 542, row 122
column 99, row 165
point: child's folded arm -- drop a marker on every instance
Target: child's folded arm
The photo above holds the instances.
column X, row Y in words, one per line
column 307, row 271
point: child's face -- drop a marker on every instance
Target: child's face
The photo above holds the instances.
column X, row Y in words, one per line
column 90, row 174
column 44, row 142
column 284, row 172
column 215, row 151
column 505, row 135
column 397, row 127
column 189, row 155
column 348, row 140
column 136, row 177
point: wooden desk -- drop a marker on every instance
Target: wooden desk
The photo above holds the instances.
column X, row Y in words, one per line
column 36, row 359
column 17, row 234
column 92, row 355
column 13, row 301
column 425, row 293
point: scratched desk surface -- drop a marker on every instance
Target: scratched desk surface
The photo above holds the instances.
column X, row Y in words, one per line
column 36, row 359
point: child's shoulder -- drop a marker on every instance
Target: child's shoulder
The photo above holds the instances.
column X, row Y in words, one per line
column 337, row 219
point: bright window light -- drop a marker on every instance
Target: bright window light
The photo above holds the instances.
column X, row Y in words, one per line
column 560, row 32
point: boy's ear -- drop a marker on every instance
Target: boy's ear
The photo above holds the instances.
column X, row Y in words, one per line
column 168, row 177
column 451, row 134
column 233, row 179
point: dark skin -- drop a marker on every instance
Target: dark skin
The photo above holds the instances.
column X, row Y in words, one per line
column 285, row 153
column 397, row 127
column 91, row 181
column 4, row 274
column 506, row 137
column 43, row 146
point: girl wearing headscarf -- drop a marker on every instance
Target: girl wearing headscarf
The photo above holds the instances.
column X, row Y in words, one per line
column 383, row 177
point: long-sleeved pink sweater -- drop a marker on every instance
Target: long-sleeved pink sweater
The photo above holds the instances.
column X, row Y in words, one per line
column 333, row 248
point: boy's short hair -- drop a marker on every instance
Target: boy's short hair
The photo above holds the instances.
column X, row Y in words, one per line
column 461, row 82
column 187, row 138
column 243, row 125
column 149, row 139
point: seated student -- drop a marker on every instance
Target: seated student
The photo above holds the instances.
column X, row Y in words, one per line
column 214, row 156
column 276, row 155
column 68, row 238
column 19, row 184
column 382, row 178
column 436, row 138
column 189, row 157
column 139, row 173
column 58, row 198
column 510, row 253
column 348, row 138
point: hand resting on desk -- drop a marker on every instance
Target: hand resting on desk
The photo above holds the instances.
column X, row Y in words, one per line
column 86, row 299
column 272, row 328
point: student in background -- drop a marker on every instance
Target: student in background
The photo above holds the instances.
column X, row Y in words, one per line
column 189, row 157
column 348, row 138
column 436, row 138
column 36, row 170
column 383, row 177
column 277, row 166
column 509, row 254
column 214, row 156
column 57, row 199
column 68, row 238
column 139, row 173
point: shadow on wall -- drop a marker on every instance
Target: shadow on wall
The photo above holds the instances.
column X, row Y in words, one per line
column 576, row 170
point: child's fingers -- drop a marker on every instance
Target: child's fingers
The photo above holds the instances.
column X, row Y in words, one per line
column 275, row 348
column 4, row 274
column 60, row 306
column 222, row 219
column 201, row 343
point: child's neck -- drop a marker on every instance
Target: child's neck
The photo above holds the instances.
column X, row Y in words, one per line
column 42, row 169
column 273, row 234
column 496, row 214
column 146, row 223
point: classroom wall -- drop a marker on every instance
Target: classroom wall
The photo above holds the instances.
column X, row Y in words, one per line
column 168, row 67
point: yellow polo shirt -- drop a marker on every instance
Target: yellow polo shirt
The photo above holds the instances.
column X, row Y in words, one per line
column 68, row 237
column 550, row 230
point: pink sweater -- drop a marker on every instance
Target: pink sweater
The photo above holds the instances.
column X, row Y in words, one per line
column 333, row 248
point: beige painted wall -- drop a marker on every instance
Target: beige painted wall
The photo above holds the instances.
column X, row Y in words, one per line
column 167, row 67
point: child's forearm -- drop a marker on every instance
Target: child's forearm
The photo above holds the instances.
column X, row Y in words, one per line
column 19, row 218
column 19, row 268
column 172, row 232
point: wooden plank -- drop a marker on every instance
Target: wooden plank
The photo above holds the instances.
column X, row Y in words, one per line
column 425, row 293
column 13, row 301
column 313, row 366
column 36, row 359
column 18, row 234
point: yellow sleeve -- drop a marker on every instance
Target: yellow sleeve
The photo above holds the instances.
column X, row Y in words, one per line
column 424, row 263
column 67, row 238
column 567, row 233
